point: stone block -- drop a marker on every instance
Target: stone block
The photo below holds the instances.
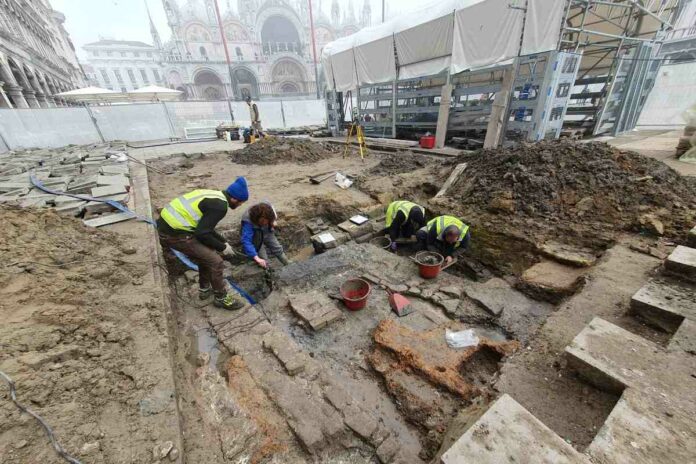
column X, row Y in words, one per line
column 360, row 422
column 114, row 169
column 508, row 433
column 354, row 230
column 71, row 208
column 665, row 304
column 551, row 281
column 285, row 351
column 119, row 180
column 338, row 396
column 388, row 449
column 315, row 308
column 568, row 254
column 682, row 261
column 108, row 190
column 451, row 291
column 10, row 186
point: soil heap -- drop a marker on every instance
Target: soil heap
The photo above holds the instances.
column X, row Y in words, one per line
column 276, row 150
column 401, row 162
column 581, row 189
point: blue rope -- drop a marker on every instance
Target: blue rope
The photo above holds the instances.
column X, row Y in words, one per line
column 182, row 257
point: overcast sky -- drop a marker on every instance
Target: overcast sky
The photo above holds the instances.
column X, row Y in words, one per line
column 87, row 20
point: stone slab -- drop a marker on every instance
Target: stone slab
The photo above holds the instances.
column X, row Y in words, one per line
column 665, row 303
column 120, row 180
column 654, row 419
column 682, row 261
column 568, row 254
column 109, row 219
column 114, row 169
column 315, row 308
column 684, row 338
column 551, row 281
column 108, row 190
column 508, row 433
column 355, row 230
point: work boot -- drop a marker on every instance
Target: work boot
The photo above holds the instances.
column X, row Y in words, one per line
column 283, row 258
column 230, row 301
column 205, row 293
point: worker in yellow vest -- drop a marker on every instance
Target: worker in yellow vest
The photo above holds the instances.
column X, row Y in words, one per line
column 187, row 224
column 445, row 235
column 402, row 220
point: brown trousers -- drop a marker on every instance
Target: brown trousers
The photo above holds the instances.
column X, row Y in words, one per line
column 210, row 263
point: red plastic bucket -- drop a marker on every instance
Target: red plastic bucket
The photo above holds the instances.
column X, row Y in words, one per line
column 355, row 293
column 428, row 270
column 427, row 141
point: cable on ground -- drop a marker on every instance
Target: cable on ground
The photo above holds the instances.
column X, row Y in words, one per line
column 47, row 428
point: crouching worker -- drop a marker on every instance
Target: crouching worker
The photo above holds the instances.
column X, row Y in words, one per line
column 187, row 224
column 402, row 220
column 445, row 235
column 258, row 234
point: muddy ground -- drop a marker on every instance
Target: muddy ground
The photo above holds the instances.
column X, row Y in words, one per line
column 89, row 346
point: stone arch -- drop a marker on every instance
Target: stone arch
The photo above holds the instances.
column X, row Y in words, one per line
column 197, row 32
column 272, row 9
column 244, row 83
column 209, row 84
column 288, row 71
column 235, row 32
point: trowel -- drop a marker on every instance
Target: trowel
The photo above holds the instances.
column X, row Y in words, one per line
column 399, row 303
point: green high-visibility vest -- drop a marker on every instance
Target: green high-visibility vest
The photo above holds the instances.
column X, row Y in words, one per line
column 443, row 222
column 183, row 212
column 396, row 206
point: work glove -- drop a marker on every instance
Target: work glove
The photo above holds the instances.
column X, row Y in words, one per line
column 228, row 252
column 261, row 262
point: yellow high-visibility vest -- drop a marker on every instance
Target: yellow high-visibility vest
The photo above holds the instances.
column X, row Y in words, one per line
column 396, row 206
column 443, row 222
column 183, row 213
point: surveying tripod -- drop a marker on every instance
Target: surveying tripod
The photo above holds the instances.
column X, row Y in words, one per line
column 355, row 128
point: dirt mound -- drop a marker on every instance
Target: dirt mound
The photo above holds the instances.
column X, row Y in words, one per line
column 276, row 150
column 576, row 184
column 77, row 306
column 399, row 163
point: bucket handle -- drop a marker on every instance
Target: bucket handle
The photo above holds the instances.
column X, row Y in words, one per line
column 454, row 260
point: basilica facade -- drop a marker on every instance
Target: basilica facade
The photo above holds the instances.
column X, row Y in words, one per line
column 269, row 44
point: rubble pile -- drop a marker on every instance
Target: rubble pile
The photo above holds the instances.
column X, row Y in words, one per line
column 276, row 150
column 588, row 187
column 98, row 170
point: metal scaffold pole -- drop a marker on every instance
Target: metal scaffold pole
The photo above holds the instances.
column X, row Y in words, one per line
column 227, row 57
column 314, row 49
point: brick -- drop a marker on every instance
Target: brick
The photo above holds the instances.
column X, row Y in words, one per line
column 387, row 450
column 360, row 422
column 338, row 397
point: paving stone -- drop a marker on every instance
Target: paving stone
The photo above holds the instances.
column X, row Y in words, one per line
column 508, row 433
column 338, row 396
column 682, row 261
column 69, row 208
column 360, row 422
column 108, row 190
column 451, row 291
column 109, row 219
column 387, row 450
column 285, row 349
column 665, row 303
column 315, row 308
column 450, row 305
column 114, row 169
column 568, row 254
column 112, row 180
column 551, row 281
column 355, row 230
column 655, row 415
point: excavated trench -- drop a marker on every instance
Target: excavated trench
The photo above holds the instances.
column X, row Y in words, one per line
column 398, row 371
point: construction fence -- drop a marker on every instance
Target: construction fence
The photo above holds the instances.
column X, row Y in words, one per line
column 57, row 127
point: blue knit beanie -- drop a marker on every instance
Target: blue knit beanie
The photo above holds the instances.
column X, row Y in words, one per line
column 238, row 189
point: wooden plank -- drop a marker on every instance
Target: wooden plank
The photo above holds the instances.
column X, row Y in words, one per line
column 110, row 219
column 456, row 172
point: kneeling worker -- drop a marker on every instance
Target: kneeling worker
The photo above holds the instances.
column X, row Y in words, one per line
column 403, row 219
column 445, row 235
column 258, row 234
column 187, row 224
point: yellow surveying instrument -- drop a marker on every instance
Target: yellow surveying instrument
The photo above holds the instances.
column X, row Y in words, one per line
column 355, row 127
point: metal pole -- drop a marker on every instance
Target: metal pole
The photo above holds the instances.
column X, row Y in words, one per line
column 94, row 121
column 383, row 10
column 314, row 49
column 227, row 56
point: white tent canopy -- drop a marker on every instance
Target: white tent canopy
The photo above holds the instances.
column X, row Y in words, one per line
column 90, row 94
column 154, row 93
column 458, row 35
